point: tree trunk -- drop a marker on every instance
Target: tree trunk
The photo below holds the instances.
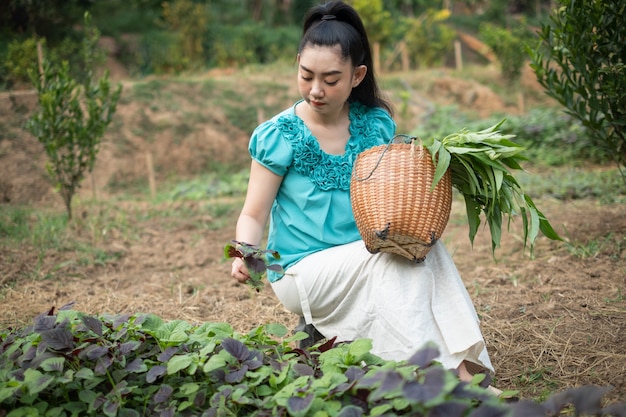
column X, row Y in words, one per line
column 376, row 57
column 257, row 9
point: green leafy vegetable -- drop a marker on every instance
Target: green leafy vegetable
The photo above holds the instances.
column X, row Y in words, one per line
column 141, row 365
column 256, row 260
column 479, row 163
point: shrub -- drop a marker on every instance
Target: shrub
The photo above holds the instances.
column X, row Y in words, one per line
column 428, row 39
column 158, row 53
column 20, row 59
column 376, row 19
column 188, row 21
column 580, row 63
column 72, row 118
column 509, row 47
column 551, row 136
column 251, row 43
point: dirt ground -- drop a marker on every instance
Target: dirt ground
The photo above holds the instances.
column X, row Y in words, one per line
column 552, row 322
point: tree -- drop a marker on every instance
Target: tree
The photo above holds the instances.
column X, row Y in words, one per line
column 72, row 117
column 376, row 19
column 509, row 47
column 580, row 63
column 428, row 38
column 52, row 19
column 188, row 20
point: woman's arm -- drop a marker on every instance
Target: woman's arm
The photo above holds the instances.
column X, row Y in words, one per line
column 262, row 189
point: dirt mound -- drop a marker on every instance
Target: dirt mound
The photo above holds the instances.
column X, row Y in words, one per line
column 140, row 137
column 176, row 134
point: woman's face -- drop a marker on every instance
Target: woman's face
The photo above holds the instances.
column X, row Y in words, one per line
column 325, row 79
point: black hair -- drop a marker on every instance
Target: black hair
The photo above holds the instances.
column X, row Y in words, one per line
column 337, row 23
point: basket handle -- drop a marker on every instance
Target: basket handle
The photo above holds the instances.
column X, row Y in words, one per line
column 407, row 139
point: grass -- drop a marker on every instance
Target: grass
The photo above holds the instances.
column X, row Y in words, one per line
column 211, row 185
column 610, row 244
column 565, row 183
column 39, row 228
column 204, row 203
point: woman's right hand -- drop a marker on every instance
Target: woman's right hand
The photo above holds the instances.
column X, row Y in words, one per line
column 262, row 189
column 239, row 271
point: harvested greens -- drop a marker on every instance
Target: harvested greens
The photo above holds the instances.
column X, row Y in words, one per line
column 479, row 163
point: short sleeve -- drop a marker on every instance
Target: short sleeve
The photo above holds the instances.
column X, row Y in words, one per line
column 381, row 124
column 387, row 124
column 269, row 147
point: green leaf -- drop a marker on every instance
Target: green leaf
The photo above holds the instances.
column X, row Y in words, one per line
column 53, row 364
column 24, row 412
column 473, row 216
column 358, row 349
column 35, row 381
column 8, row 390
column 178, row 363
column 546, row 228
column 88, row 396
column 214, row 362
column 183, row 405
column 495, row 227
column 217, row 330
column 207, row 349
column 127, row 412
column 151, row 322
column 380, row 410
column 84, row 373
column 263, row 391
column 56, row 412
column 443, row 163
column 189, row 388
column 173, row 331
column 276, row 329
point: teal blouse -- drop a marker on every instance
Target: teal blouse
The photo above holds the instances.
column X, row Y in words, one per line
column 312, row 210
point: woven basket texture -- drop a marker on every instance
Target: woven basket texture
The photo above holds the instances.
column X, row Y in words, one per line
column 394, row 207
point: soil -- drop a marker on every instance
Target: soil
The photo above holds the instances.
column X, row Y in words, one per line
column 552, row 321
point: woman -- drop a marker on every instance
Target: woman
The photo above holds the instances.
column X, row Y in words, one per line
column 300, row 178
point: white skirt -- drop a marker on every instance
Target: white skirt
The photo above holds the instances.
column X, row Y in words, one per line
column 347, row 292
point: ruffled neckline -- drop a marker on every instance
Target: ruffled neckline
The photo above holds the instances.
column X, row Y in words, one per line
column 325, row 170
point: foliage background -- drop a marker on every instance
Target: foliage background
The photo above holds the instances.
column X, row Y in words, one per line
column 173, row 36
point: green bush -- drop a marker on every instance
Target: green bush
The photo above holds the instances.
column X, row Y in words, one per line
column 428, row 39
column 375, row 18
column 68, row 363
column 158, row 53
column 250, row 43
column 580, row 63
column 551, row 137
column 119, row 17
column 509, row 46
column 188, row 21
column 72, row 116
column 21, row 59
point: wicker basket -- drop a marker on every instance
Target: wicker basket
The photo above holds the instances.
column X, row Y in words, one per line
column 392, row 201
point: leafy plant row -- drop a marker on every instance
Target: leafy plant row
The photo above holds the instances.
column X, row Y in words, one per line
column 71, row 364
